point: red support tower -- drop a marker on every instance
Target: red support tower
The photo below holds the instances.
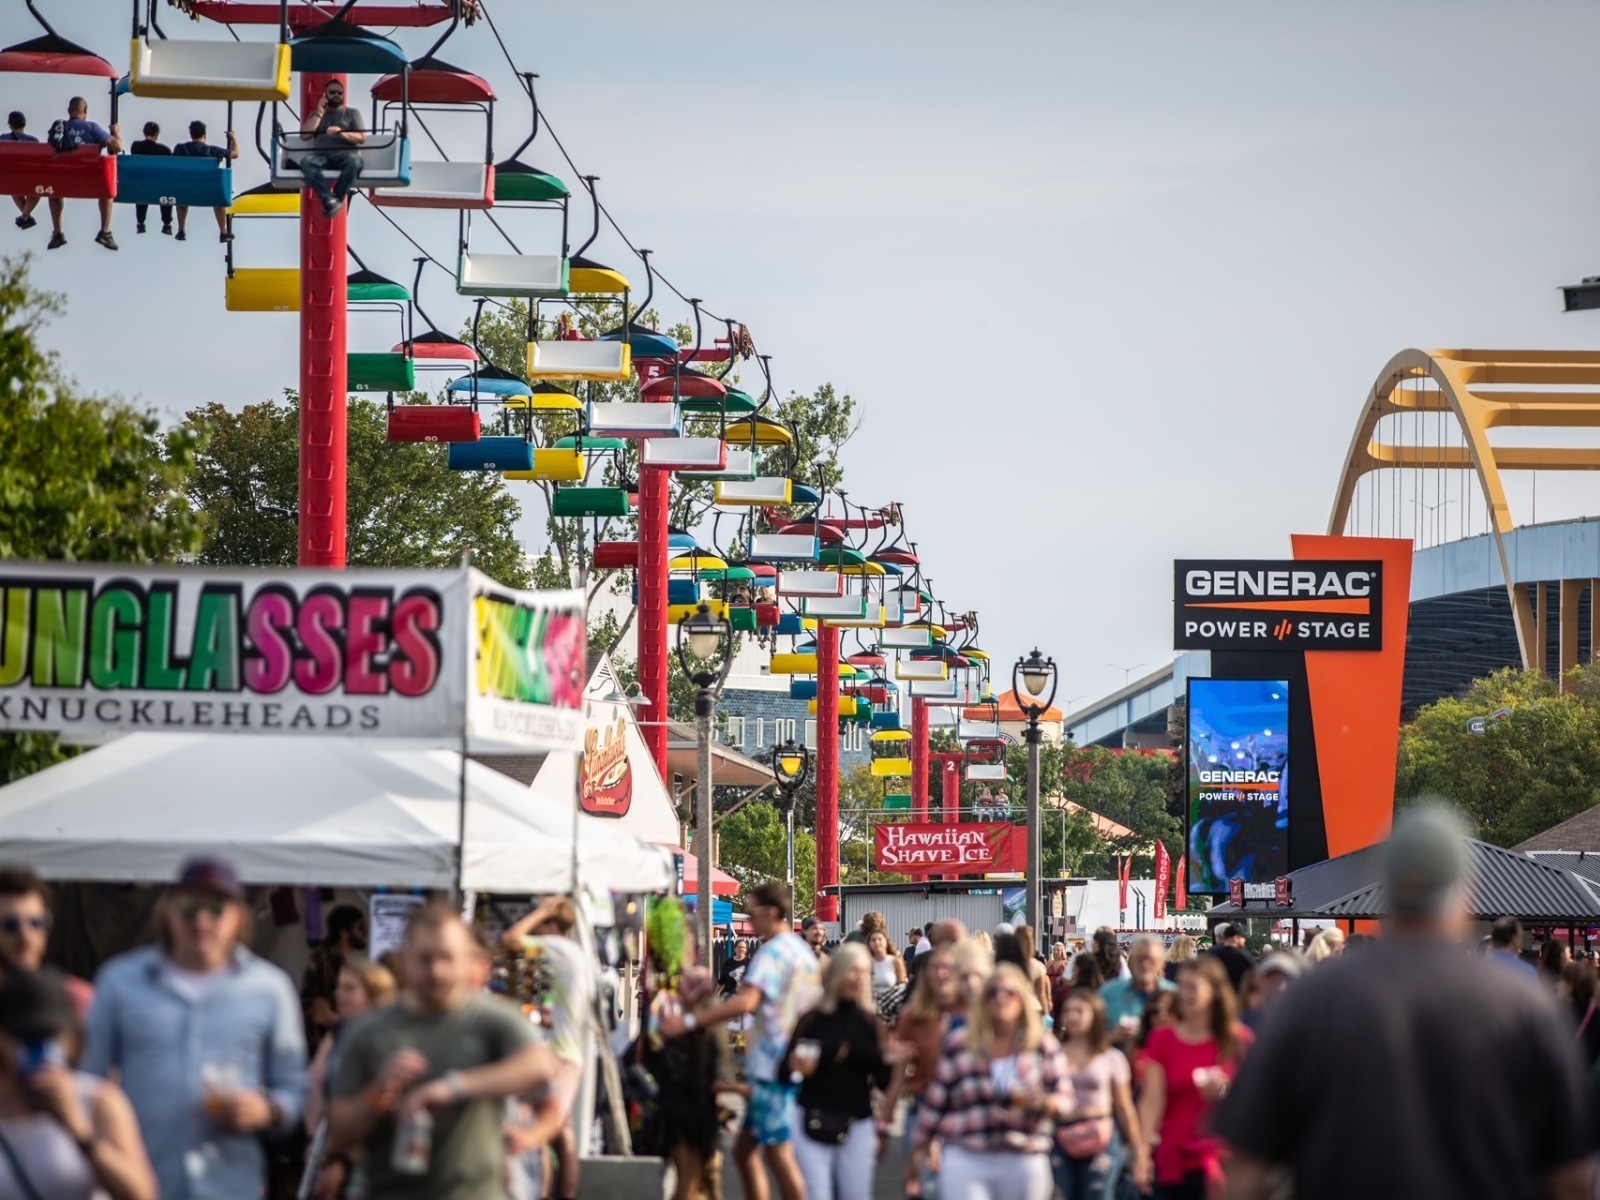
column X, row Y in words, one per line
column 919, row 760
column 827, row 771
column 323, row 369
column 655, row 486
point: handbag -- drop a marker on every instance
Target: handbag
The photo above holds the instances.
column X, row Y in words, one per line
column 1084, row 1138
column 826, row 1127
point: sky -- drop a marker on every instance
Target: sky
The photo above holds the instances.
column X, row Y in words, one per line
column 1109, row 283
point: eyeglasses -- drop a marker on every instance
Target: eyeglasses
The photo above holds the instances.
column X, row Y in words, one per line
column 15, row 925
column 190, row 909
column 996, row 993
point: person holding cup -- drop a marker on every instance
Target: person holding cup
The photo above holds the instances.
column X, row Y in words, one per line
column 840, row 1057
column 1125, row 998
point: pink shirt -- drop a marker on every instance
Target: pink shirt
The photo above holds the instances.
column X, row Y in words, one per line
column 1186, row 1142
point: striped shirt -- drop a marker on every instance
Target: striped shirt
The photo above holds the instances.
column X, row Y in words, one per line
column 968, row 1101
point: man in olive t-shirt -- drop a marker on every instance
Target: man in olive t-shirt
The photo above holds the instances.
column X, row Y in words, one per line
column 443, row 1048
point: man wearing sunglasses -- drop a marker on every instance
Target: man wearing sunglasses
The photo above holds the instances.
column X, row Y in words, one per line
column 25, row 922
column 337, row 134
column 207, row 1038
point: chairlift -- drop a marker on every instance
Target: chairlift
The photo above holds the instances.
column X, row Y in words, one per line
column 172, row 69
column 431, row 85
column 174, row 179
column 385, row 154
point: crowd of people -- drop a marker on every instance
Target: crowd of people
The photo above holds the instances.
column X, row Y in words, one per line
column 1415, row 1064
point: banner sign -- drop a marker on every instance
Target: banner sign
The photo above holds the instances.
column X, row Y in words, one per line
column 91, row 650
column 967, row 849
column 1180, row 897
column 1158, row 910
column 1238, row 769
column 605, row 776
column 1278, row 605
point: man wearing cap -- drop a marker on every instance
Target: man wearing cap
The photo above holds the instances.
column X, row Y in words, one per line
column 207, row 1040
column 1413, row 1069
column 1272, row 979
column 1230, row 950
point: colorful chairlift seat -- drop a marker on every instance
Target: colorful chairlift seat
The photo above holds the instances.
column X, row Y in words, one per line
column 491, row 454
column 684, row 453
column 616, row 556
column 37, row 169
column 793, row 664
column 492, row 381
column 590, row 278
column 805, row 494
column 380, row 373
column 530, row 276
column 589, row 502
column 754, row 431
column 339, row 48
column 453, row 423
column 645, row 343
column 743, row 618
column 169, row 69
column 684, row 384
column 789, row 625
column 453, row 185
column 767, row 615
column 733, row 402
column 52, row 54
column 264, row 200
column 385, row 160
column 633, row 420
column 553, row 466
column 886, row 720
column 168, row 179
column 580, row 360
column 368, row 287
column 434, row 346
column 677, row 614
column 434, row 81
column 263, row 289
column 589, row 444
column 755, row 493
column 516, row 181
column 740, row 466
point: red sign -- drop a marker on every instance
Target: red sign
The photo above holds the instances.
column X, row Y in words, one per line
column 1163, row 881
column 1181, row 900
column 1284, row 894
column 1124, row 876
column 1236, row 892
column 988, row 847
column 605, row 777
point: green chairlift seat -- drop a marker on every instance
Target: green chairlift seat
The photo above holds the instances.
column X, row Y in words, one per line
column 516, row 181
column 742, row 619
column 368, row 287
column 589, row 502
column 739, row 404
column 381, row 373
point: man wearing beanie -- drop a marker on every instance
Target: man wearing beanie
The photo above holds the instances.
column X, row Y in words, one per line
column 1413, row 1069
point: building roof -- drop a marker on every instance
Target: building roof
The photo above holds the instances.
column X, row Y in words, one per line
column 728, row 767
column 1581, row 832
column 1010, row 710
column 1504, row 883
column 1104, row 826
column 1579, row 862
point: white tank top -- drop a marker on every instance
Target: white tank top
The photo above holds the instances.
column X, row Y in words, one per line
column 50, row 1158
column 883, row 974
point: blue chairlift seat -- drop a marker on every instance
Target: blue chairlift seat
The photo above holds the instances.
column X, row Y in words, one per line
column 789, row 625
column 679, row 591
column 164, row 179
column 490, row 380
column 642, row 342
column 802, row 689
column 385, row 161
column 799, row 493
column 340, row 48
column 886, row 720
column 491, row 454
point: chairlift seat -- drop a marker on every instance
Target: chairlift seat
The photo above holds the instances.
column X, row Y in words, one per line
column 264, row 200
column 790, row 625
column 170, row 179
column 753, row 431
column 552, row 466
column 490, row 454
column 38, row 169
column 986, row 772
column 921, row 669
column 784, row 547
column 434, row 81
column 580, row 360
column 437, row 347
column 802, row 689
column 677, row 614
column 645, row 343
column 544, row 398
column 590, row 278
column 530, row 276
column 740, row 466
column 453, row 423
column 452, row 185
column 792, row 664
column 810, row 583
column 516, row 181
column 848, row 707
column 679, row 591
column 263, row 289
column 767, row 616
column 490, row 381
column 743, row 619
column 849, row 607
column 52, row 54
column 592, row 445
column 615, row 556
column 684, row 453
column 892, row 768
column 886, row 720
column 170, row 69
column 380, row 373
column 683, row 384
column 340, row 48
column 758, row 492
column 385, row 160
column 632, row 420
column 589, row 502
column 872, row 617
column 733, row 402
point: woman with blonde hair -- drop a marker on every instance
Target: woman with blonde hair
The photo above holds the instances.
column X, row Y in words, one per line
column 972, row 964
column 1088, row 1157
column 1329, row 943
column 362, row 986
column 1183, row 948
column 839, row 1054
column 1000, row 1086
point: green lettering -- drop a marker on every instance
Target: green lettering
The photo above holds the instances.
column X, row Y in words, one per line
column 14, row 645
column 59, row 628
column 214, row 662
column 160, row 673
column 114, row 637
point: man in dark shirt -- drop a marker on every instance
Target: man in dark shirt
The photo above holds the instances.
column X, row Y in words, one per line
column 1231, row 953
column 337, row 133
column 1414, row 1068
column 198, row 147
column 733, row 970
column 151, row 145
column 16, row 126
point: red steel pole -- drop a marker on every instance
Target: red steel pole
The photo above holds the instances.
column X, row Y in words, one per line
column 950, row 790
column 919, row 760
column 827, row 771
column 324, row 333
column 654, row 485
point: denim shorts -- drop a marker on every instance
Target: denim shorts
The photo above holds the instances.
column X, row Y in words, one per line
column 769, row 1112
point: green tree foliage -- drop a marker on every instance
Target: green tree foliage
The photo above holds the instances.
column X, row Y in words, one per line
column 753, row 846
column 1528, row 770
column 82, row 478
column 404, row 508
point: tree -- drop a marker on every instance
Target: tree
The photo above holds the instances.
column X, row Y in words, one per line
column 1530, row 768
column 405, row 509
column 83, row 478
column 754, row 850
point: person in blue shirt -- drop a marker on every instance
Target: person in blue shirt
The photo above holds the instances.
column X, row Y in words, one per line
column 16, row 125
column 206, row 1039
column 88, row 133
column 1505, row 946
column 1125, row 998
column 198, row 147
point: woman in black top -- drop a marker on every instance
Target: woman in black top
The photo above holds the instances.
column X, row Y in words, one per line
column 840, row 1055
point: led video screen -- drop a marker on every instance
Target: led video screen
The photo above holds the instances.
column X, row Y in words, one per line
column 1238, row 760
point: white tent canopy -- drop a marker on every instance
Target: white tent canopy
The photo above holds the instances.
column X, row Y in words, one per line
column 307, row 812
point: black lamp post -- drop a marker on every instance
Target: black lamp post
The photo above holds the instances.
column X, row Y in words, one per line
column 791, row 767
column 705, row 650
column 1033, row 683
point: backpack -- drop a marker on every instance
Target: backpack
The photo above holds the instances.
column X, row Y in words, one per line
column 63, row 137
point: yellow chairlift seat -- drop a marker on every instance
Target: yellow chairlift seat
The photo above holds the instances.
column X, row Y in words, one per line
column 922, row 669
column 893, row 767
column 545, row 402
column 754, row 430
column 886, row 736
column 601, row 362
column 552, row 466
column 170, row 69
column 256, row 203
column 591, row 279
column 847, row 707
column 697, row 562
column 866, row 568
column 264, row 289
column 677, row 614
column 792, row 664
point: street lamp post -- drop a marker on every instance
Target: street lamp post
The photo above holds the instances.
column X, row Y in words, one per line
column 1033, row 683
column 706, row 653
column 791, row 766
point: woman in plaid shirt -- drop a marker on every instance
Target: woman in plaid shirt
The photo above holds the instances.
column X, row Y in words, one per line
column 1001, row 1085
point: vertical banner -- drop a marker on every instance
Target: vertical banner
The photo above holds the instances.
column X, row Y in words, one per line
column 1158, row 910
column 527, row 667
column 1124, row 874
column 1180, row 898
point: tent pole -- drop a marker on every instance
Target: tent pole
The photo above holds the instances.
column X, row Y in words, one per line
column 461, row 778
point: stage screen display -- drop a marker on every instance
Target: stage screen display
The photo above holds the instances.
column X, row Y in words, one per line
column 1238, row 759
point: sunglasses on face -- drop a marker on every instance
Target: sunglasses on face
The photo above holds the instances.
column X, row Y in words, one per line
column 15, row 925
column 190, row 909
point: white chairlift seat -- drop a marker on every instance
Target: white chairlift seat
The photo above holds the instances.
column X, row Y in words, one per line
column 921, row 669
column 454, row 185
column 986, row 772
column 772, row 489
column 210, row 70
column 810, row 583
column 684, row 453
column 579, row 360
column 741, row 465
column 871, row 617
column 912, row 637
column 634, row 420
column 847, row 607
column 530, row 276
column 385, row 161
column 785, row 547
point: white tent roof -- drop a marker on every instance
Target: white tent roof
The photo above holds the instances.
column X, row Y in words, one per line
column 306, row 812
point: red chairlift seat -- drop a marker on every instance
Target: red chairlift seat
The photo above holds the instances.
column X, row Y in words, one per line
column 691, row 385
column 827, row 533
column 616, row 556
column 37, row 169
column 867, row 660
column 434, row 423
column 767, row 615
column 52, row 54
column 900, row 558
column 415, row 15
column 434, row 81
column 437, row 347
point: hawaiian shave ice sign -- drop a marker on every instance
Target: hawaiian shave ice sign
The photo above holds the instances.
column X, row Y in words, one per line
column 918, row 848
column 91, row 650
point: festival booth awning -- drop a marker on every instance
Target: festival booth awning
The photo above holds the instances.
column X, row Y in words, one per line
column 722, row 884
column 1501, row 883
column 308, row 812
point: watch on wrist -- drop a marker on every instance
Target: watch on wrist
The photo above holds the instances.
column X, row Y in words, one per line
column 690, row 1022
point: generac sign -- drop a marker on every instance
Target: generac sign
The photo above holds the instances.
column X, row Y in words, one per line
column 1272, row 604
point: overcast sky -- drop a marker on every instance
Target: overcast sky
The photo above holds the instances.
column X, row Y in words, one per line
column 1109, row 281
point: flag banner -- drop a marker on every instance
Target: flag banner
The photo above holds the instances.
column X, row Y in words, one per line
column 1163, row 881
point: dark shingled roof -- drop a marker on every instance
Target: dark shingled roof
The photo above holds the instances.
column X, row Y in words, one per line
column 1581, row 832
